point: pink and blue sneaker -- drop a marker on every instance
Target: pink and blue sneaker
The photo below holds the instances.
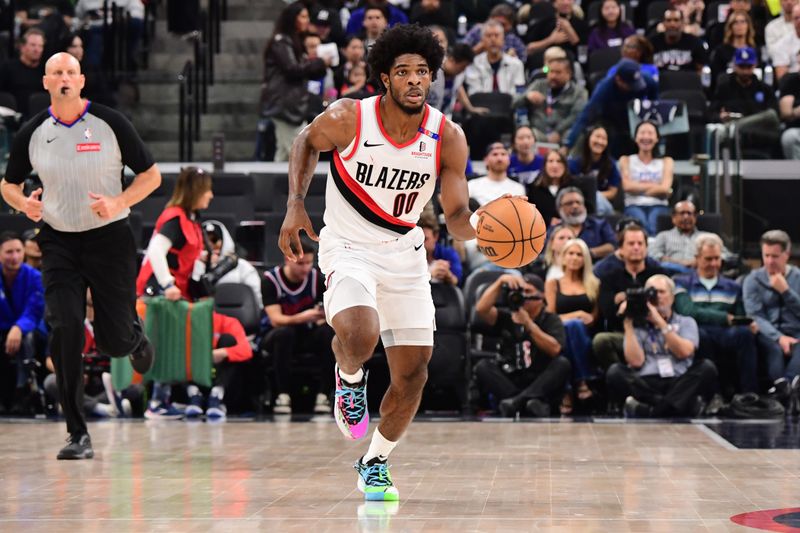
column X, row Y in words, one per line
column 350, row 407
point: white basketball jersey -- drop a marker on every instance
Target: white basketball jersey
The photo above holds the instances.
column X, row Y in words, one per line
column 376, row 187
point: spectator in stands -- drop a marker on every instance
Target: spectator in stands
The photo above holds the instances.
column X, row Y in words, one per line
column 573, row 297
column 434, row 12
column 295, row 324
column 779, row 27
column 596, row 233
column 444, row 264
column 715, row 303
column 96, row 87
column 553, row 177
column 550, row 54
column 22, row 76
column 784, row 58
column 53, row 17
column 321, row 87
column 553, row 103
column 676, row 247
column 512, row 44
column 284, row 93
column 21, row 312
column 789, row 106
column 659, row 377
column 376, row 19
column 611, row 29
column 614, row 282
column 692, row 11
column 646, row 178
column 594, row 160
column 525, row 163
column 178, row 239
column 223, row 247
column 639, row 49
column 356, row 22
column 449, row 83
column 739, row 34
column 325, row 22
column 356, row 86
column 176, row 245
column 772, row 299
column 531, row 373
column 548, row 264
column 564, row 28
column 33, row 254
column 494, row 70
column 496, row 183
column 353, row 54
column 675, row 49
column 741, row 95
column 231, row 349
column 609, row 104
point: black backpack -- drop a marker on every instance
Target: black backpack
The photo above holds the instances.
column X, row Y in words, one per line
column 751, row 405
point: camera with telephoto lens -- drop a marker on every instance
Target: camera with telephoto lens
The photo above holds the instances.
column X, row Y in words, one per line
column 638, row 298
column 513, row 299
column 226, row 264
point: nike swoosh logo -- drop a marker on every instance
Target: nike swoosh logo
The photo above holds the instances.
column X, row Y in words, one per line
column 418, row 247
column 51, row 140
column 368, row 145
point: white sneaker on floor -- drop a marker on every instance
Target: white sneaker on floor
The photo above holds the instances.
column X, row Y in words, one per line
column 283, row 404
column 322, row 406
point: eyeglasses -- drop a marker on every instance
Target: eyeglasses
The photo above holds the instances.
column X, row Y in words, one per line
column 685, row 213
column 571, row 202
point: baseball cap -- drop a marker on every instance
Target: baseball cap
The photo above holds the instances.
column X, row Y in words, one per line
column 629, row 71
column 322, row 17
column 534, row 280
column 744, row 56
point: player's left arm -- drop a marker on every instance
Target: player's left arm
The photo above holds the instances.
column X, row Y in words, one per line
column 455, row 195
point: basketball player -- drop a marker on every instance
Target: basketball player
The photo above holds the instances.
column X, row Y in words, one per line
column 388, row 152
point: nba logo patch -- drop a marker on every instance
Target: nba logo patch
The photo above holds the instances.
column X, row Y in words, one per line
column 422, row 146
column 87, row 134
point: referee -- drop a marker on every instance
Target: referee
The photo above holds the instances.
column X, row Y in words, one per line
column 79, row 150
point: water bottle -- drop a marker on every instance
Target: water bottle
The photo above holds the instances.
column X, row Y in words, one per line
column 705, row 77
column 462, row 25
column 769, row 75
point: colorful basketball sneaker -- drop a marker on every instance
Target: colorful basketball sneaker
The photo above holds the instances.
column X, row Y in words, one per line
column 350, row 407
column 375, row 481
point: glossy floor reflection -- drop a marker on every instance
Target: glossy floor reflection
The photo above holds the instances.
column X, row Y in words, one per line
column 452, row 476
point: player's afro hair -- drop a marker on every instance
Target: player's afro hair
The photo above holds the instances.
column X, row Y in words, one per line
column 404, row 39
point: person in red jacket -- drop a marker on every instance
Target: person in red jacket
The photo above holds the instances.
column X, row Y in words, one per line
column 231, row 348
column 178, row 240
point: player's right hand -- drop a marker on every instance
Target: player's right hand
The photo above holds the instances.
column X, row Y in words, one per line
column 172, row 294
column 289, row 240
column 33, row 205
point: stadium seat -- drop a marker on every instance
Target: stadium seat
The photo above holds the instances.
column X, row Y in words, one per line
column 238, row 301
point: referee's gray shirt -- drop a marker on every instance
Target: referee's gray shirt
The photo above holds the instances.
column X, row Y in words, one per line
column 88, row 155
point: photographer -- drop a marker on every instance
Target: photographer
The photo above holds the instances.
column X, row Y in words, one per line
column 295, row 324
column 659, row 377
column 223, row 266
column 614, row 282
column 727, row 337
column 530, row 373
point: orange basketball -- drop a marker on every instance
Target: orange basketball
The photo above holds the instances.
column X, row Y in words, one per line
column 511, row 232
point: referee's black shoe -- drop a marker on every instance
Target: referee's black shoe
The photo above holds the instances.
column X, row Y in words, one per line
column 79, row 447
column 142, row 359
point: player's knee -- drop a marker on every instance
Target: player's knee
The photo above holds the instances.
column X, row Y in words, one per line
column 359, row 342
column 412, row 381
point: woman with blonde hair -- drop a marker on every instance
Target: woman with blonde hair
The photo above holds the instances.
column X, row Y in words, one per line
column 548, row 265
column 574, row 299
column 739, row 33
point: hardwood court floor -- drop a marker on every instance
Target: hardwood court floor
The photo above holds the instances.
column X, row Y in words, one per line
column 452, row 476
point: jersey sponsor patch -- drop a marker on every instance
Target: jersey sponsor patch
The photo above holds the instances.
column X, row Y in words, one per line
column 87, row 147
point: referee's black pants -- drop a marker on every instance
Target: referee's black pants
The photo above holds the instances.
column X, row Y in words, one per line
column 103, row 259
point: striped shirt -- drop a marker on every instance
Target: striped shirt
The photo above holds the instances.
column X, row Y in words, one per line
column 674, row 244
column 708, row 306
column 74, row 159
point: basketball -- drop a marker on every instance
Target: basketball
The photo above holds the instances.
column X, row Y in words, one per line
column 511, row 232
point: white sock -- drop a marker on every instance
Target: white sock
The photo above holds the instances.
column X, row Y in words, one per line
column 352, row 379
column 380, row 447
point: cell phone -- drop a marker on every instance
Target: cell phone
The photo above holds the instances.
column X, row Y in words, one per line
column 741, row 321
